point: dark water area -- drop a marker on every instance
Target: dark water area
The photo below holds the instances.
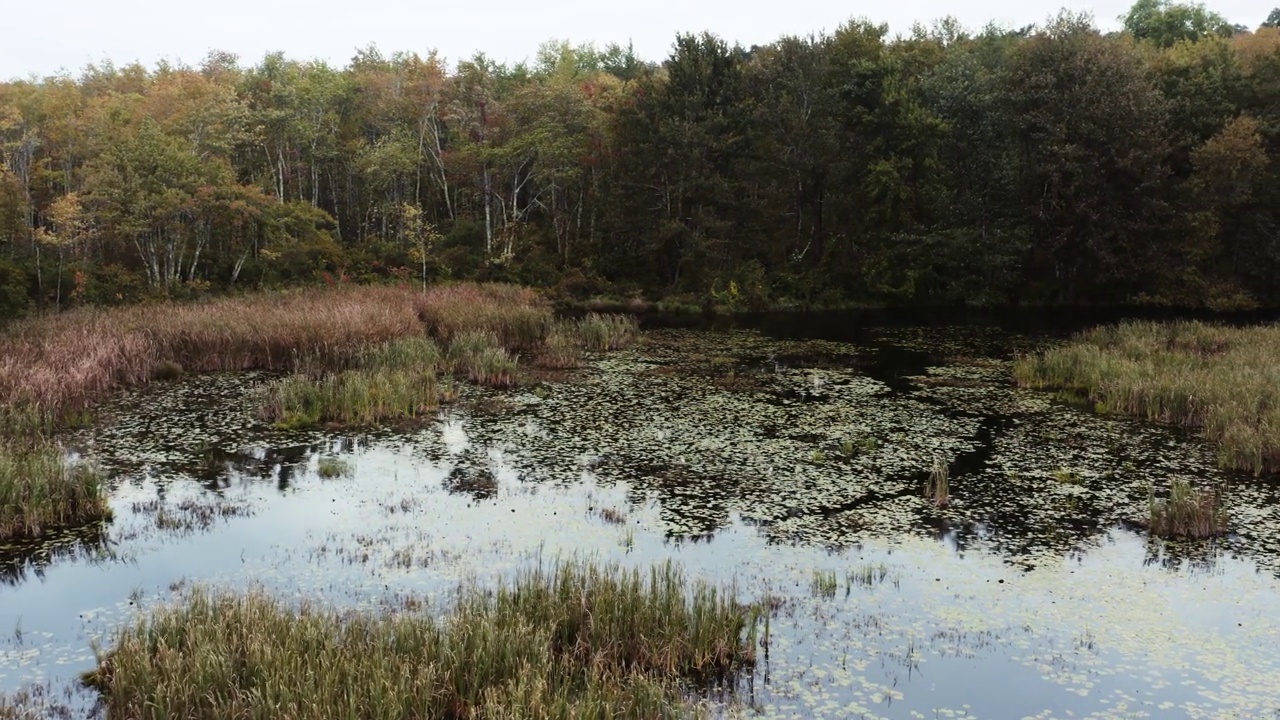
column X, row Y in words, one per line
column 756, row 451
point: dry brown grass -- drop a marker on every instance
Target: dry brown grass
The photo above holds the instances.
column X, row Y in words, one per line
column 64, row 363
column 519, row 317
column 56, row 365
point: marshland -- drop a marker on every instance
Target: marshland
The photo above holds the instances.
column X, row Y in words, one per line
column 464, row 503
column 851, row 375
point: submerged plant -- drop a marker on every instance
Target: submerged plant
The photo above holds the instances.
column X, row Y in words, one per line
column 1067, row 476
column 1187, row 512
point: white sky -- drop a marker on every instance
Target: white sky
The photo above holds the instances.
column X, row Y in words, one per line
column 44, row 36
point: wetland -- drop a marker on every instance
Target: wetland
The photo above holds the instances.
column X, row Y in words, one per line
column 791, row 460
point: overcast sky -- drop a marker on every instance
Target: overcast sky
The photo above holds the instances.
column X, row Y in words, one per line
column 45, row 36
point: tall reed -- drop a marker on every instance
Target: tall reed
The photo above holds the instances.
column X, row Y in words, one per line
column 575, row 640
column 518, row 317
column 1222, row 380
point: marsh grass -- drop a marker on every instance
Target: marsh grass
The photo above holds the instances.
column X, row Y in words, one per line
column 41, row 491
column 574, row 640
column 1222, row 380
column 824, row 584
column 330, row 468
column 518, row 317
column 1187, row 512
column 867, row 575
column 397, row 381
column 562, row 349
column 479, row 356
column 937, row 488
column 607, row 332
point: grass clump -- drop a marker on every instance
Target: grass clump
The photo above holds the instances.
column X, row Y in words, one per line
column 607, row 332
column 41, row 491
column 1221, row 380
column 354, row 397
column 562, row 350
column 479, row 356
column 1187, row 512
column 575, row 640
column 392, row 382
column 937, row 488
column 329, row 468
column 824, row 584
column 867, row 575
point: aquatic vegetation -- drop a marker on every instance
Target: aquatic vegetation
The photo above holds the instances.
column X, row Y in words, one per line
column 353, row 397
column 65, row 362
column 1187, row 512
column 392, row 382
column 519, row 318
column 867, row 575
column 40, row 490
column 480, row 483
column 824, row 584
column 849, row 447
column 329, row 468
column 191, row 514
column 613, row 516
column 167, row 370
column 938, row 487
column 573, row 640
column 1221, row 380
column 607, row 332
column 562, row 349
column 819, row 456
column 1067, row 476
column 478, row 356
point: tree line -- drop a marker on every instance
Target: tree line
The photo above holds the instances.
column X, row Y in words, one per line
column 1047, row 164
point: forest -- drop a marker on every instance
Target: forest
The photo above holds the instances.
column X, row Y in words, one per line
column 1048, row 165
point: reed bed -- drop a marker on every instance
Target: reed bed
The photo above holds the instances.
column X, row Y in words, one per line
column 62, row 363
column 518, row 317
column 571, row 641
column 395, row 381
column 479, row 356
column 41, row 491
column 600, row 333
column 562, row 349
column 1221, row 380
column 1187, row 512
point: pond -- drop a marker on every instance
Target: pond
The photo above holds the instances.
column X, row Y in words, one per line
column 768, row 453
